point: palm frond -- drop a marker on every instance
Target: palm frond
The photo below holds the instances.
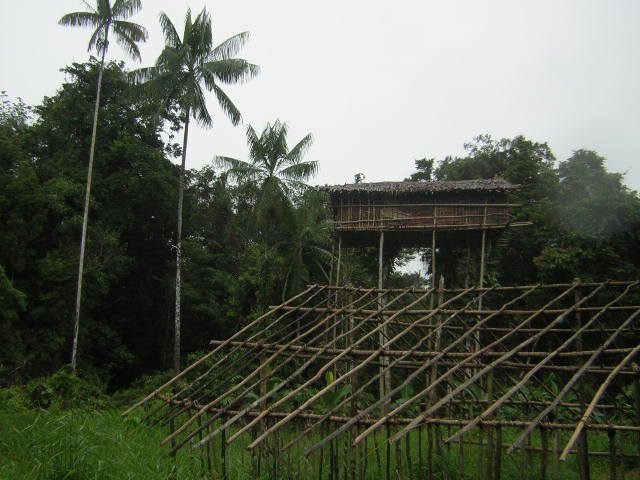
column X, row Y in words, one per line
column 80, row 19
column 103, row 7
column 254, row 144
column 203, row 35
column 297, row 152
column 232, row 70
column 97, row 40
column 238, row 170
column 300, row 171
column 231, row 46
column 169, row 31
column 187, row 33
column 135, row 32
column 142, row 75
column 199, row 106
column 122, row 9
column 227, row 105
column 127, row 43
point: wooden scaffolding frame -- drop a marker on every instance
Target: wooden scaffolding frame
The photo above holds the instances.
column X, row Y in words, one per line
column 455, row 367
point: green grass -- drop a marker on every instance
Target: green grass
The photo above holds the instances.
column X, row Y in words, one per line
column 83, row 444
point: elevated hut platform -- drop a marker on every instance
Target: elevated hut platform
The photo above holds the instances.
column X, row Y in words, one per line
column 411, row 210
column 341, row 382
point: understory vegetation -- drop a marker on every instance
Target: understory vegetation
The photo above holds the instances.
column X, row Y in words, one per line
column 95, row 442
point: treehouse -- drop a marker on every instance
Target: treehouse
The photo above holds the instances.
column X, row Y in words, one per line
column 468, row 382
column 409, row 212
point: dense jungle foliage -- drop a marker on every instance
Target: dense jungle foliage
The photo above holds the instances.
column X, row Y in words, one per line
column 247, row 244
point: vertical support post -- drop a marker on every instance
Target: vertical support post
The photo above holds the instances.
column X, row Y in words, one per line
column 490, row 433
column 430, row 450
column 385, row 376
column 612, row 454
column 444, row 465
column 544, row 454
column 398, row 448
column 481, row 452
column 556, row 454
column 498, row 453
column 388, row 451
column 223, row 454
column 420, row 462
column 636, row 394
column 172, row 428
column 434, row 270
column 332, row 265
column 461, row 457
column 583, row 446
column 483, row 248
column 407, row 452
column 339, row 260
column 212, row 455
column 523, row 461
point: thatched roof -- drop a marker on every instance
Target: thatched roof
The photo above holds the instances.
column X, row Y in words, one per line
column 478, row 185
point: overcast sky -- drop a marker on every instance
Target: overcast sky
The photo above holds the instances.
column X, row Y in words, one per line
column 379, row 84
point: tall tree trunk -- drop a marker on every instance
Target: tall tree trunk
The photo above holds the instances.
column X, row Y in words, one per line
column 176, row 341
column 85, row 217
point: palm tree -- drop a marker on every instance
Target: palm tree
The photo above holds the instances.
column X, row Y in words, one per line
column 105, row 18
column 177, row 78
column 306, row 249
column 278, row 173
column 277, row 176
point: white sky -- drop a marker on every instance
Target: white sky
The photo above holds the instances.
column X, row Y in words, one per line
column 379, row 84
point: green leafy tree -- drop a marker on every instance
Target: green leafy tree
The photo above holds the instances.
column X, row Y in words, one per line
column 184, row 67
column 307, row 250
column 105, row 18
column 424, row 170
column 597, row 223
column 523, row 162
column 273, row 181
column 277, row 173
column 128, row 267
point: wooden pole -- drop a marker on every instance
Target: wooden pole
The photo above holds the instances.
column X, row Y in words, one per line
column 583, row 448
column 612, row 455
column 337, row 282
column 544, row 457
column 481, row 276
column 637, row 402
column 430, row 450
column 223, row 455
column 481, row 452
column 461, row 457
column 498, row 468
column 398, row 447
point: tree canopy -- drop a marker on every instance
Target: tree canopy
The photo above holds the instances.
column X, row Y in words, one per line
column 586, row 223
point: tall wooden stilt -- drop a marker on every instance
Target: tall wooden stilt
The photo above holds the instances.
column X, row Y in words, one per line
column 339, row 262
column 583, row 446
column 497, row 472
column 636, row 388
column 612, row 455
column 544, row 455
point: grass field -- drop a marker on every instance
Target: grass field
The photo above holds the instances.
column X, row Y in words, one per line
column 83, row 444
